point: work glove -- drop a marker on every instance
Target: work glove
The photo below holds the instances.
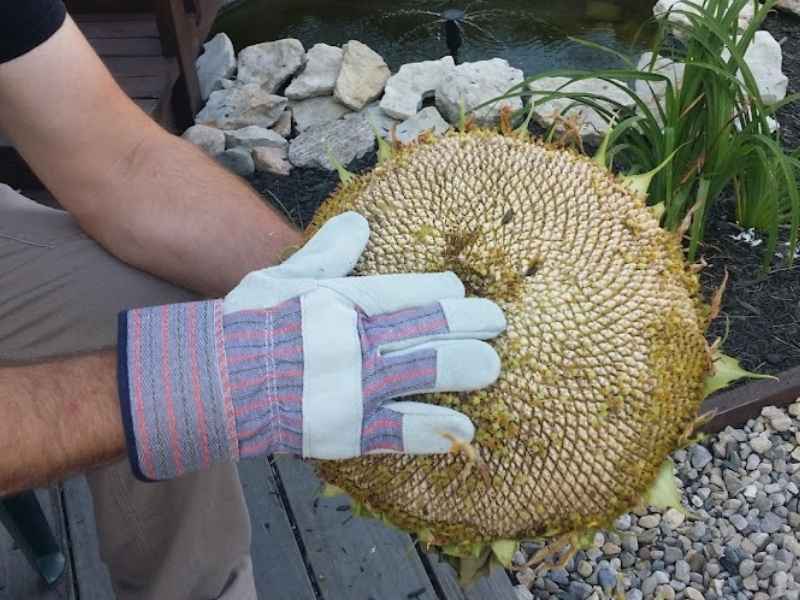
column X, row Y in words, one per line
column 301, row 359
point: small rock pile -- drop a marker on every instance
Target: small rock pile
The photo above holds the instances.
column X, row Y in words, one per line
column 739, row 541
column 276, row 106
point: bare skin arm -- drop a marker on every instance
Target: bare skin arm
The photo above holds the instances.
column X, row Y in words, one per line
column 58, row 418
column 152, row 200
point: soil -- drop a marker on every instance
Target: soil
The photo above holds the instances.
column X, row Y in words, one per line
column 760, row 313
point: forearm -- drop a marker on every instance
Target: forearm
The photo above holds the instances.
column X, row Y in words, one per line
column 150, row 198
column 172, row 211
column 58, row 418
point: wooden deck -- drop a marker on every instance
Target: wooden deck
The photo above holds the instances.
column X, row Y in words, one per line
column 304, row 547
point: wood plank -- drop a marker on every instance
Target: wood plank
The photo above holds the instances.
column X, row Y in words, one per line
column 278, row 565
column 495, row 587
column 143, row 87
column 351, row 558
column 137, row 66
column 92, row 581
column 141, row 28
column 109, row 6
column 145, row 46
column 17, row 578
column 735, row 407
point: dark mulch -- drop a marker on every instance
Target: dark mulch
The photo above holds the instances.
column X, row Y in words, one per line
column 760, row 310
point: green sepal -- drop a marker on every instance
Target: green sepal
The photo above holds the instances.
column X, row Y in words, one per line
column 345, row 176
column 385, row 151
column 726, row 371
column 425, row 536
column 504, row 551
column 658, row 210
column 641, row 182
column 601, row 156
column 664, row 492
column 585, row 540
column 472, row 568
column 331, row 491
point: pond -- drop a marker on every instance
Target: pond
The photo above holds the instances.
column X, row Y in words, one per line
column 531, row 34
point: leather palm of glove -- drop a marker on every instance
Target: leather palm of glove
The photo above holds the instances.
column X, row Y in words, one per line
column 301, row 359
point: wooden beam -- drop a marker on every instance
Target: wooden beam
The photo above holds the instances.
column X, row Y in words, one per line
column 351, row 557
column 735, row 407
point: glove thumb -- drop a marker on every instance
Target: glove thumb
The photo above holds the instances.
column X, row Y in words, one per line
column 426, row 428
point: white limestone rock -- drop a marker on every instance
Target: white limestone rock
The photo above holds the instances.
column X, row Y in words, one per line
column 412, row 84
column 240, row 106
column 210, row 139
column 217, row 62
column 237, row 160
column 254, row 137
column 314, row 112
column 323, row 63
column 271, row 64
column 345, row 139
column 792, row 6
column 593, row 126
column 667, row 8
column 475, row 83
column 383, row 123
column 662, row 66
column 428, row 119
column 283, row 126
column 272, row 160
column 765, row 59
column 362, row 77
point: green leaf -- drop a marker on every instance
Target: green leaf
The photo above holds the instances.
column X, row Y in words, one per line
column 504, row 551
column 345, row 176
column 726, row 371
column 664, row 492
column 385, row 150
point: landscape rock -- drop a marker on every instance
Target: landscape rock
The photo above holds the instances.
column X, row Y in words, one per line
column 240, row 106
column 314, row 112
column 593, row 126
column 765, row 59
column 283, row 126
column 377, row 118
column 254, row 137
column 362, row 77
column 210, row 139
column 272, row 160
column 217, row 62
column 662, row 7
column 428, row 119
column 413, row 83
column 792, row 6
column 346, row 139
column 323, row 63
column 650, row 90
column 270, row 64
column 475, row 83
column 237, row 160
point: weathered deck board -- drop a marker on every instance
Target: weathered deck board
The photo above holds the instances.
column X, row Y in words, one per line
column 120, row 26
column 146, row 46
column 18, row 580
column 278, row 565
column 352, row 559
column 90, row 573
column 495, row 587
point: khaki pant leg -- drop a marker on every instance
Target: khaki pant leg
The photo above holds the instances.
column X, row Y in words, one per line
column 60, row 293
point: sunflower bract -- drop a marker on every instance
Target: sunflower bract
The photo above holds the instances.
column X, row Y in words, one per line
column 603, row 360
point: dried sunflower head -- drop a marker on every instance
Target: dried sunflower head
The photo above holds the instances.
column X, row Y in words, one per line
column 604, row 359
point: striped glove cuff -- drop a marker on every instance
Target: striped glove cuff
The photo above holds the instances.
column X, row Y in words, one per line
column 198, row 387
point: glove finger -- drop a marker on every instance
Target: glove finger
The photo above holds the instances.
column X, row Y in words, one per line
column 378, row 294
column 415, row 428
column 452, row 318
column 442, row 366
column 332, row 252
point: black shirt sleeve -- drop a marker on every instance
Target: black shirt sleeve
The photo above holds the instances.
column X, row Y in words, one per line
column 24, row 24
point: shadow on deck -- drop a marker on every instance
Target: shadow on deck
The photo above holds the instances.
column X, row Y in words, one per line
column 304, row 548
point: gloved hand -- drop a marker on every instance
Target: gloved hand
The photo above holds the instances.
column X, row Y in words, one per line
column 301, row 359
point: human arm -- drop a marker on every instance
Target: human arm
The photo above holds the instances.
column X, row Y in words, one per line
column 58, row 418
column 149, row 197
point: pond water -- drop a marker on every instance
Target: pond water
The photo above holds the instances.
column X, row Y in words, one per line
column 531, row 34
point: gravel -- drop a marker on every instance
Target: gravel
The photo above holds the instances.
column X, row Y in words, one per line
column 738, row 540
